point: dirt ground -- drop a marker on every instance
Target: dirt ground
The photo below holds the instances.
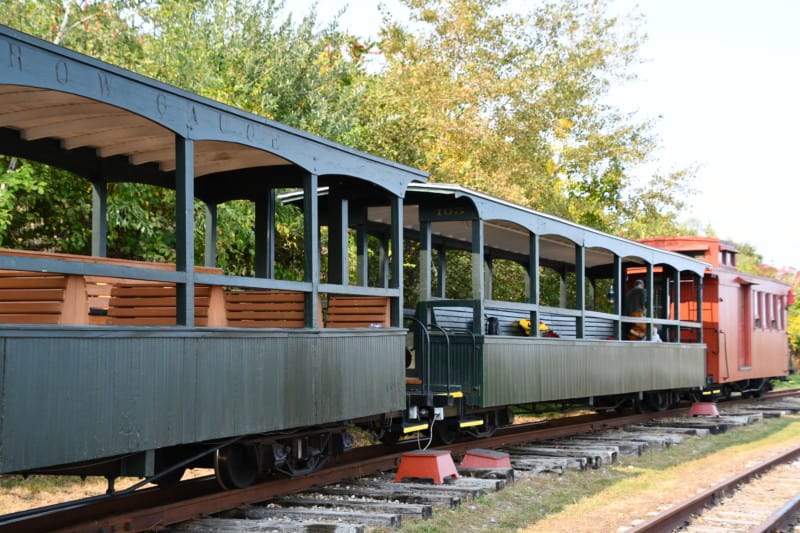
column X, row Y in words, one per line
column 617, row 509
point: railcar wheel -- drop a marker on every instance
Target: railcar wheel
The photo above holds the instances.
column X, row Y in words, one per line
column 294, row 467
column 659, row 401
column 236, row 466
column 389, row 437
column 490, row 424
column 444, row 434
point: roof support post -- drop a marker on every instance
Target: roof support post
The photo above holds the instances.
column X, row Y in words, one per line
column 676, row 297
column 562, row 284
column 700, row 308
column 184, row 216
column 616, row 287
column 477, row 274
column 210, row 251
column 488, row 276
column 265, row 235
column 533, row 280
column 383, row 262
column 666, row 274
column 580, row 289
column 311, row 264
column 338, row 222
column 99, row 218
column 441, row 274
column 362, row 249
column 425, row 261
column 650, row 292
column 396, row 279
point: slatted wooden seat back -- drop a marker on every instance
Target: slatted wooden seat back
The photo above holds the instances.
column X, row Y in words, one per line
column 268, row 308
column 32, row 297
column 358, row 311
column 141, row 303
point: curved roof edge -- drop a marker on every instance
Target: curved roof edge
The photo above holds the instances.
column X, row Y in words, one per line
column 36, row 63
column 489, row 208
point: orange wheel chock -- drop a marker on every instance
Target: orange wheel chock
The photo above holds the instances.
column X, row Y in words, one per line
column 426, row 464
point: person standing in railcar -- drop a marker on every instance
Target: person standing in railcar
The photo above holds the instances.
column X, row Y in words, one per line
column 636, row 305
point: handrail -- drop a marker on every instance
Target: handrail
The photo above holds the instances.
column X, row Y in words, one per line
column 449, row 361
column 426, row 388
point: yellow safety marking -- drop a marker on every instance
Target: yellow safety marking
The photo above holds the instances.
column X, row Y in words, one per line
column 470, row 424
column 412, row 429
column 453, row 394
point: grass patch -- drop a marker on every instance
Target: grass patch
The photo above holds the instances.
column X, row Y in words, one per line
column 535, row 498
column 37, row 484
column 791, row 382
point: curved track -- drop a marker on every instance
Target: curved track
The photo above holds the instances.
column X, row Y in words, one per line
column 780, row 515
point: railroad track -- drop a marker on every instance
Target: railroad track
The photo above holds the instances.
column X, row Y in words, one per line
column 764, row 498
column 536, row 448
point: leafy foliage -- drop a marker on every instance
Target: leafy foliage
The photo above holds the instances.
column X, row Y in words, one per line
column 241, row 52
column 507, row 102
column 32, row 194
column 512, row 104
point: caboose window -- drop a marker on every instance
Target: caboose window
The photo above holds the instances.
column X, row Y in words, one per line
column 757, row 309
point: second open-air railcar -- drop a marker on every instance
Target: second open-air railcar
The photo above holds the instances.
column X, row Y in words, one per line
column 471, row 357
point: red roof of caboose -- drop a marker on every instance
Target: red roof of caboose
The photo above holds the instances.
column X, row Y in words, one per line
column 708, row 249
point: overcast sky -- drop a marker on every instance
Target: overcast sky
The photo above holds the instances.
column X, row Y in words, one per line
column 722, row 75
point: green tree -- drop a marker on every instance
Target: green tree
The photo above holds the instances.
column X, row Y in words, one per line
column 31, row 192
column 243, row 52
column 512, row 104
column 654, row 208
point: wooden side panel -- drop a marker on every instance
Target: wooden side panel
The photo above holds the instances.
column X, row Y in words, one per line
column 265, row 308
column 153, row 304
column 32, row 297
column 358, row 311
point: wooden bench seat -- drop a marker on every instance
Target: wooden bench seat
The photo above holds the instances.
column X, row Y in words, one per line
column 78, row 300
column 31, row 297
column 254, row 308
column 358, row 312
column 154, row 304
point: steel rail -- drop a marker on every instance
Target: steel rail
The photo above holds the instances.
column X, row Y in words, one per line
column 154, row 508
column 681, row 514
column 781, row 519
column 151, row 508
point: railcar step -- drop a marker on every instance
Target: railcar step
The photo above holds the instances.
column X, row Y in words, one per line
column 413, row 427
column 470, row 422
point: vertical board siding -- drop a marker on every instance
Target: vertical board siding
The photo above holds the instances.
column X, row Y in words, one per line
column 465, row 361
column 531, row 370
column 78, row 397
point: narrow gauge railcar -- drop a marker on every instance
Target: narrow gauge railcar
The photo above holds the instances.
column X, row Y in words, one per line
column 469, row 357
column 119, row 367
column 744, row 318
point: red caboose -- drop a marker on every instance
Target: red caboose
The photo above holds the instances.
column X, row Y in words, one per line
column 744, row 317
